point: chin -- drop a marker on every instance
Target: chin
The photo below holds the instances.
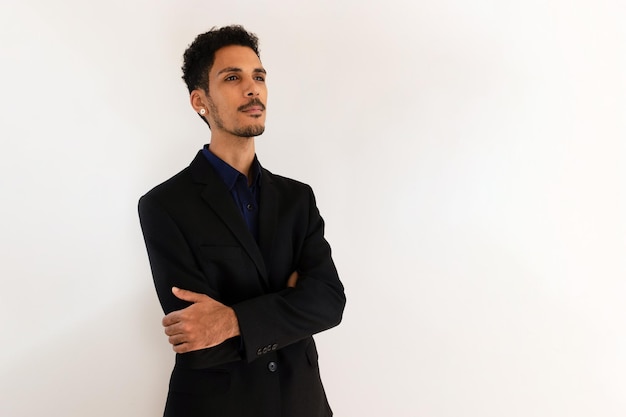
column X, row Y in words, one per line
column 250, row 131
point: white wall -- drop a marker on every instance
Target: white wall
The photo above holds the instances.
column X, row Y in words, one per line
column 469, row 159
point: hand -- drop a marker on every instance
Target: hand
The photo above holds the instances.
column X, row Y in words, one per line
column 293, row 278
column 205, row 323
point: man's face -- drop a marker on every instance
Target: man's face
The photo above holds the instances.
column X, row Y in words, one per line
column 237, row 92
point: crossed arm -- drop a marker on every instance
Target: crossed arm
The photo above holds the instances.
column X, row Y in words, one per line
column 204, row 330
column 205, row 323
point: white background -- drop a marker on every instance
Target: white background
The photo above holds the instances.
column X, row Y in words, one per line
column 469, row 158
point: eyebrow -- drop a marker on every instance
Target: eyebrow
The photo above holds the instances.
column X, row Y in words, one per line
column 235, row 69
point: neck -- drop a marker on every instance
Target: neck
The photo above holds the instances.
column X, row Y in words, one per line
column 236, row 151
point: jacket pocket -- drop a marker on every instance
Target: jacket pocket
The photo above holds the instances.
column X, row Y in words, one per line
column 228, row 272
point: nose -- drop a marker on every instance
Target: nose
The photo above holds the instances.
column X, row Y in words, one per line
column 252, row 92
column 252, row 89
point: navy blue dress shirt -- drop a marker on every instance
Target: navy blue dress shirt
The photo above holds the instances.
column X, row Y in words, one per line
column 245, row 197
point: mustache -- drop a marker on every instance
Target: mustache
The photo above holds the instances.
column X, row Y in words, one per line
column 252, row 103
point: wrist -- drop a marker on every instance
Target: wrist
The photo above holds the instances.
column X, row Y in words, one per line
column 233, row 323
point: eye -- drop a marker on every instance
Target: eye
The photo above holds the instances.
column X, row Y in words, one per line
column 231, row 78
column 259, row 78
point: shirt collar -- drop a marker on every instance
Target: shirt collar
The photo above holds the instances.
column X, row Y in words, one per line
column 227, row 173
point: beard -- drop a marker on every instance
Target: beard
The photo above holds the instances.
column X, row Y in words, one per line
column 240, row 131
column 248, row 131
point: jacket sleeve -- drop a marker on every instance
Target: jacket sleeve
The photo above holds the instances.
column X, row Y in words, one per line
column 173, row 264
column 275, row 320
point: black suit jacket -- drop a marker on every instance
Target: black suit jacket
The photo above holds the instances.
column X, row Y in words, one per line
column 197, row 240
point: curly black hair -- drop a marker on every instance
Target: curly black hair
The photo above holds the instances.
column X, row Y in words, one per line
column 200, row 55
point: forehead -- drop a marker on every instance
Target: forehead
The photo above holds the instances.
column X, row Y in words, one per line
column 235, row 56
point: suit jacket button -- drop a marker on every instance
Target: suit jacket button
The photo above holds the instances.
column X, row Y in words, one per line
column 272, row 366
column 274, row 346
column 259, row 352
column 265, row 349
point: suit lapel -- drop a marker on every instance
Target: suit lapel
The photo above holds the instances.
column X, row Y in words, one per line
column 219, row 199
column 268, row 216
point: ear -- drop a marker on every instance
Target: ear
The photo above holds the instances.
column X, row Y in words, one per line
column 198, row 101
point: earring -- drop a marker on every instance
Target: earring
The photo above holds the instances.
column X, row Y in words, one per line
column 202, row 111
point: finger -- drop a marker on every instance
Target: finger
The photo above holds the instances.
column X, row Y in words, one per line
column 192, row 297
column 185, row 347
column 293, row 278
column 171, row 318
column 177, row 339
column 174, row 329
column 189, row 347
column 181, row 348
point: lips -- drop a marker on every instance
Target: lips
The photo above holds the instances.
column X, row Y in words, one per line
column 253, row 109
column 255, row 106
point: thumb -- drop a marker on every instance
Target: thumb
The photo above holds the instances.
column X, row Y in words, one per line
column 187, row 295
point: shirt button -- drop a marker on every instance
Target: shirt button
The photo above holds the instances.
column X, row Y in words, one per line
column 250, row 207
column 272, row 366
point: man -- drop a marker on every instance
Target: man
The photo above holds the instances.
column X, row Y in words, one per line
column 238, row 255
